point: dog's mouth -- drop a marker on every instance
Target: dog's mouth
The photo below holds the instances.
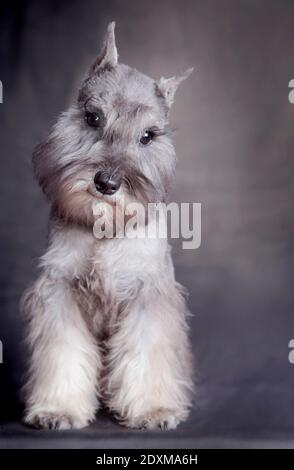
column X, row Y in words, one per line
column 111, row 199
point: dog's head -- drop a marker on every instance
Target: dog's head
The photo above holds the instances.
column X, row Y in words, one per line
column 113, row 144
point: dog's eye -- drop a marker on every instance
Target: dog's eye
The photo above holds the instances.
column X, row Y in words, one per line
column 93, row 119
column 147, row 137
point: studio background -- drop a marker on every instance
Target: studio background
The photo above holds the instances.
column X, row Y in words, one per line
column 234, row 142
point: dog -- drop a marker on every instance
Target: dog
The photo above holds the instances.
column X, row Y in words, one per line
column 106, row 320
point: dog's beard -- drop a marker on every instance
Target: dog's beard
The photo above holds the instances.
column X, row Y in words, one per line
column 73, row 203
column 108, row 216
column 76, row 200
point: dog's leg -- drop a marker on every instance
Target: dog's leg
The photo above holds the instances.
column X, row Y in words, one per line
column 149, row 362
column 62, row 380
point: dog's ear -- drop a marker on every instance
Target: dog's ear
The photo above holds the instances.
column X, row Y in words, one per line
column 108, row 55
column 168, row 86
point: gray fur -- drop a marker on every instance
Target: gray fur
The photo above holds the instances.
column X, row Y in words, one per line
column 113, row 306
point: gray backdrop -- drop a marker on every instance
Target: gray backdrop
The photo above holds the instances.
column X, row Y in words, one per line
column 235, row 149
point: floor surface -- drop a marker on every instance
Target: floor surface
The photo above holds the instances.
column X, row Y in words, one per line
column 216, row 422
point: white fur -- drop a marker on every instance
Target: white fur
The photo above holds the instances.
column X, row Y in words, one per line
column 147, row 365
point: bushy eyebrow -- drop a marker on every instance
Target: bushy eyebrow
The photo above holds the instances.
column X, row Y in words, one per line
column 165, row 130
column 139, row 109
column 157, row 131
column 93, row 106
column 133, row 110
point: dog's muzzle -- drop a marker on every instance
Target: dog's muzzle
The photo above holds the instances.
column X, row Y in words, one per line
column 107, row 183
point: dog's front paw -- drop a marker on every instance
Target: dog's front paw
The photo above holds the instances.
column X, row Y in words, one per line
column 44, row 420
column 158, row 419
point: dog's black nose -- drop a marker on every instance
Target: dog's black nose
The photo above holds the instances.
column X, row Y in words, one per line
column 106, row 183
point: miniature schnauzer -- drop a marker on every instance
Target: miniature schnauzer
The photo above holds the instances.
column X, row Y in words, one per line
column 107, row 322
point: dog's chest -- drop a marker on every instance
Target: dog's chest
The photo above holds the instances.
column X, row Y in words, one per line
column 110, row 272
column 121, row 263
column 119, row 267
